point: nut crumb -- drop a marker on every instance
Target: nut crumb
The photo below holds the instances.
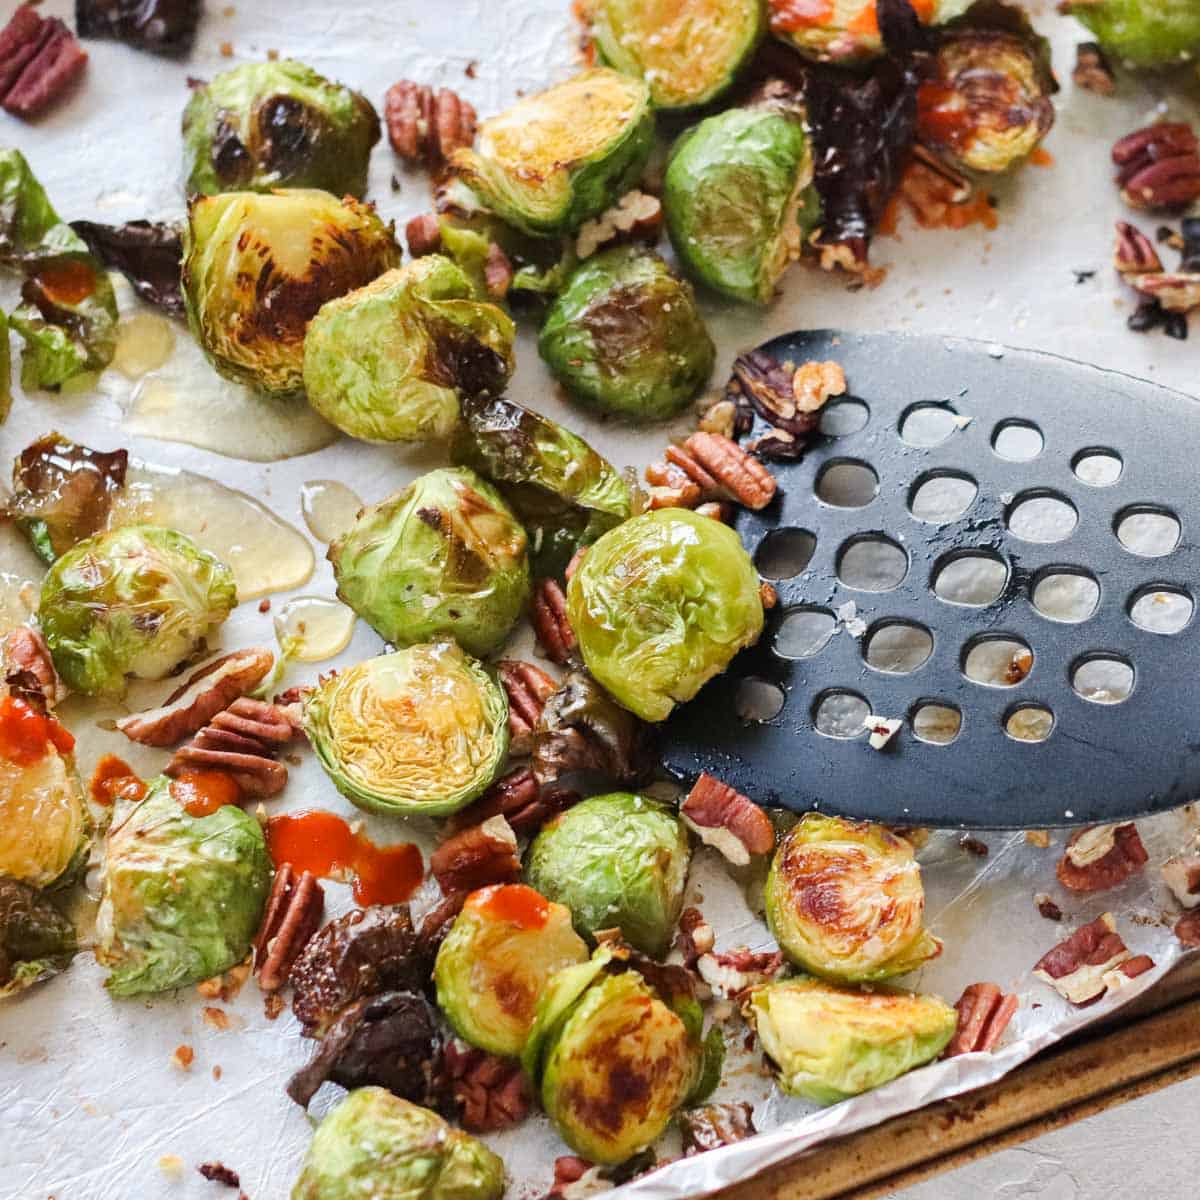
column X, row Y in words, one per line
column 226, row 49
column 1038, row 837
column 183, row 1057
column 171, row 1164
column 273, row 1005
column 1047, row 907
column 972, row 845
column 264, row 605
column 217, row 1072
column 218, row 1172
column 216, row 1018
column 272, row 56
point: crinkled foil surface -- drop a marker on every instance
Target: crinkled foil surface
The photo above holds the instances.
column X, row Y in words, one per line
column 90, row 1102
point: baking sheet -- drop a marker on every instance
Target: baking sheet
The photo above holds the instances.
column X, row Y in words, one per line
column 89, row 1100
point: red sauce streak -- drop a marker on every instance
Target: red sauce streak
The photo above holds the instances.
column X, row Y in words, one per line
column 202, row 792
column 26, row 735
column 66, row 283
column 1041, row 157
column 515, row 903
column 114, row 779
column 943, row 117
column 323, row 843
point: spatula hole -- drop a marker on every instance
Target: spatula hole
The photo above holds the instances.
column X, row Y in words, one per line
column 1029, row 723
column 1097, row 466
column 1102, row 679
column 1148, row 531
column 936, row 722
column 784, row 553
column 804, row 632
column 872, row 563
column 1017, row 441
column 758, row 700
column 1161, row 608
column 928, row 424
column 845, row 483
column 971, row 577
column 840, row 714
column 1067, row 594
column 1041, row 517
column 844, row 417
column 941, row 496
column 898, row 647
column 997, row 660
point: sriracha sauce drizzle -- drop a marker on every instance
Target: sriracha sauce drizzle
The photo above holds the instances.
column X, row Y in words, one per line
column 26, row 735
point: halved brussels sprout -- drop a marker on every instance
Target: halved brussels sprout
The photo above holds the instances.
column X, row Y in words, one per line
column 277, row 124
column 139, row 600
column 1143, row 33
column 258, row 266
column 660, row 605
column 443, row 557
column 563, row 155
column 36, row 939
column 495, row 962
column 738, row 199
column 423, row 730
column 828, row 1042
column 846, row 31
column 564, row 492
column 617, row 861
column 375, row 1146
column 467, row 234
column 844, row 900
column 183, row 895
column 625, row 336
column 689, row 53
column 388, row 363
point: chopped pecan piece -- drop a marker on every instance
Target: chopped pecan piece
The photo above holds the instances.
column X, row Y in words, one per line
column 973, row 845
column 712, row 1126
column 732, row 974
column 984, row 1012
column 1093, row 72
column 1131, row 968
column 671, row 487
column 745, row 479
column 550, row 622
column 815, row 382
column 1159, row 167
column 293, row 914
column 1047, row 908
column 425, row 126
column 493, row 1092
column 636, row 217
column 519, row 799
column 497, row 272
column 39, row 61
column 937, row 195
column 528, row 688
column 721, row 417
column 1173, row 292
column 677, row 456
column 423, row 235
column 573, row 1179
column 29, row 671
column 1181, row 873
column 1100, row 857
column 208, row 692
column 1075, row 968
column 725, row 819
column 767, row 595
column 694, row 937
column 1019, row 666
column 1134, row 253
column 216, row 1172
column 714, row 509
column 1187, row 928
column 477, row 857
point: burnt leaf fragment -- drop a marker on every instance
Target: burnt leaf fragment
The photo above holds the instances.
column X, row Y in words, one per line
column 147, row 253
column 162, row 25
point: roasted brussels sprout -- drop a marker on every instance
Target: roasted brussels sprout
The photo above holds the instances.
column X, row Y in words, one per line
column 688, row 53
column 617, row 861
column 563, row 155
column 661, row 604
column 738, row 199
column 277, row 124
column 565, row 494
column 375, row 1146
column 388, row 363
column 625, row 336
column 844, row 900
column 258, row 266
column 423, row 730
column 443, row 557
column 507, row 942
column 183, row 895
column 828, row 1042
column 36, row 939
column 1143, row 33
column 846, row 31
column 611, row 1061
column 138, row 601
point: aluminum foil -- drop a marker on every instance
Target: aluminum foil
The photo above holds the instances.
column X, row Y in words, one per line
column 91, row 1105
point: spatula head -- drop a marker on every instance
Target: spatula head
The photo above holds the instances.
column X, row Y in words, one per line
column 1067, row 583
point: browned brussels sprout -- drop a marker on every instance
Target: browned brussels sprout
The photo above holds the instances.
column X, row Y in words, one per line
column 1143, row 33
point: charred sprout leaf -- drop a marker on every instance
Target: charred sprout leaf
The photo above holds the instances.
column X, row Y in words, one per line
column 68, row 318
column 363, row 954
column 147, row 253
column 445, row 557
column 277, row 125
column 846, row 31
column 828, row 1042
column 583, row 729
column 845, row 901
column 36, row 940
column 565, row 494
column 1143, row 33
column 183, row 895
column 563, row 155
column 166, row 25
column 688, row 53
column 390, row 1040
column 660, row 605
column 137, row 601
column 62, row 492
column 389, row 362
column 616, row 861
column 625, row 336
column 258, row 266
column 376, row 1145
column 423, row 730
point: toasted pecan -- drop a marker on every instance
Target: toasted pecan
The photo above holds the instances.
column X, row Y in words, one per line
column 476, row 857
column 528, row 688
column 1101, row 857
column 28, row 666
column 1076, row 967
column 293, row 913
column 492, row 1092
column 722, row 817
column 425, row 126
column 984, row 1012
column 550, row 621
column 744, row 478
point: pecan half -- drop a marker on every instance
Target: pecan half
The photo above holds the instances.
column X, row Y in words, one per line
column 208, row 692
column 493, row 1092
column 425, row 126
column 694, row 937
column 636, row 217
column 712, row 1126
column 744, row 478
column 1100, row 857
column 528, row 688
column 725, row 819
column 1134, row 253
column 550, row 622
column 477, row 857
column 39, row 61
column 1092, row 71
column 735, row 972
column 984, row 1012
column 520, row 800
column 1159, row 167
column 29, row 671
column 293, row 913
column 423, row 235
column 1181, row 873
column 1187, row 928
column 1076, row 967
